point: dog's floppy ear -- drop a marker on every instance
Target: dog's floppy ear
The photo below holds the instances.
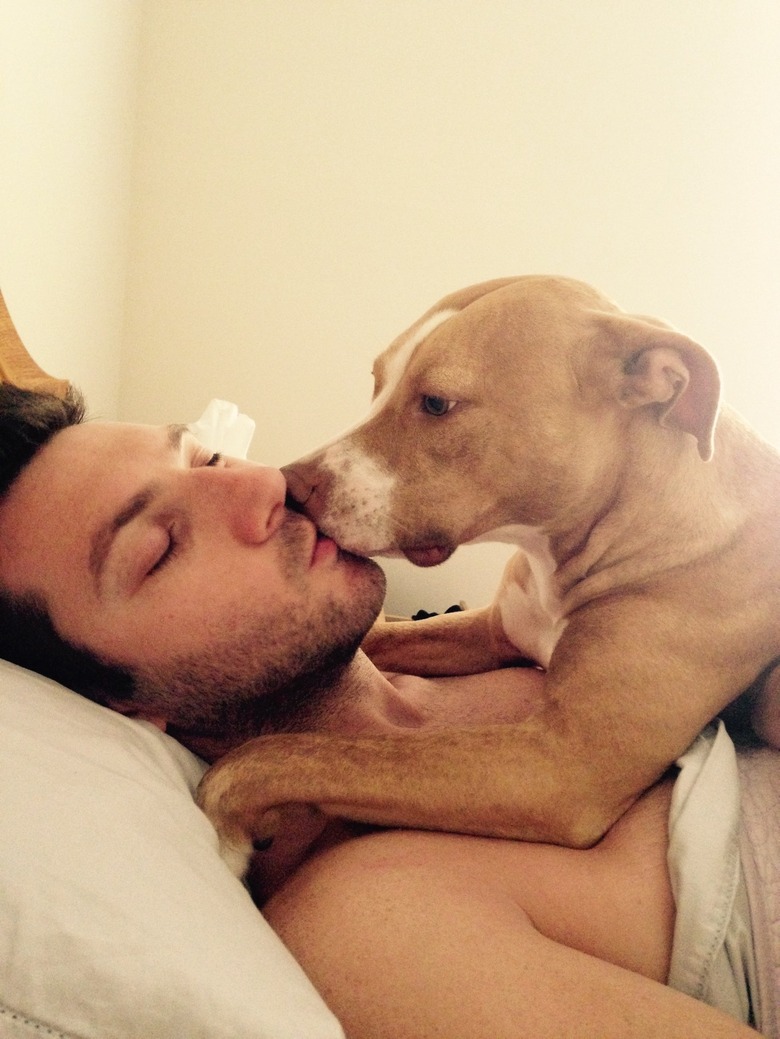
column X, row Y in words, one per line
column 664, row 369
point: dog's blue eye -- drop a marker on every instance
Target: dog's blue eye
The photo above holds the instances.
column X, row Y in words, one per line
column 437, row 405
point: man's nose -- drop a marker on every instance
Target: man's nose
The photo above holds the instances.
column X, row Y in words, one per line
column 251, row 498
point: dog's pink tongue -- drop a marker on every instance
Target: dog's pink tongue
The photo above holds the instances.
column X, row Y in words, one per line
column 427, row 556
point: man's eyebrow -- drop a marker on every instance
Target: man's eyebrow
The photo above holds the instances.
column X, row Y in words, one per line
column 104, row 536
column 176, row 431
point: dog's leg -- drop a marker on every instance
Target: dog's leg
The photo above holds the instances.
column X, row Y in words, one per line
column 463, row 643
column 562, row 775
column 519, row 626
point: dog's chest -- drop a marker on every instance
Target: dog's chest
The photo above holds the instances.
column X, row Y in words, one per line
column 528, row 600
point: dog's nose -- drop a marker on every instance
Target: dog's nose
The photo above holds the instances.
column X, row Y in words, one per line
column 299, row 488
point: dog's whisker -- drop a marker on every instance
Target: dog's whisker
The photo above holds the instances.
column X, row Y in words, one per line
column 399, row 527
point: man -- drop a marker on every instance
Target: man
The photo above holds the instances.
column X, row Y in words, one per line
column 174, row 585
column 254, row 586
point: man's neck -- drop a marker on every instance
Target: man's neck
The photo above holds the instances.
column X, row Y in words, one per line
column 348, row 702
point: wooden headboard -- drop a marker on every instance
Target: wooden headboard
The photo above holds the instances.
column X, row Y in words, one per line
column 16, row 364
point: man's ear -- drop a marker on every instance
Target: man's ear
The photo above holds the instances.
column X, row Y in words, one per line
column 661, row 368
column 129, row 710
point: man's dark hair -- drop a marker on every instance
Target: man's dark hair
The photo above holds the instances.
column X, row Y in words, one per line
column 28, row 421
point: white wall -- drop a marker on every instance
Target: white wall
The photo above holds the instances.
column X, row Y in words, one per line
column 312, row 174
column 67, row 113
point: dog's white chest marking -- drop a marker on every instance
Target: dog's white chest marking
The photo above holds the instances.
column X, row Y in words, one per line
column 528, row 602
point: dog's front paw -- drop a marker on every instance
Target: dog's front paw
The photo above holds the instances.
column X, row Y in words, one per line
column 238, row 839
column 237, row 857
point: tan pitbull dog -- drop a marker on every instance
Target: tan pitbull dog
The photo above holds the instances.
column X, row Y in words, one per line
column 647, row 581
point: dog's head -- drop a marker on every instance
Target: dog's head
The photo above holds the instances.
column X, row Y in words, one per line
column 510, row 402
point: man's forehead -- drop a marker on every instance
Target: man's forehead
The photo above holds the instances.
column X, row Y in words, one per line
column 98, row 442
column 109, row 433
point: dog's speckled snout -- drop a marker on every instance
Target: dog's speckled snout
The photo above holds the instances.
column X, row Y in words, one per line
column 347, row 494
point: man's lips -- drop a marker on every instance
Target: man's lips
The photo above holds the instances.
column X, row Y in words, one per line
column 324, row 548
column 320, row 546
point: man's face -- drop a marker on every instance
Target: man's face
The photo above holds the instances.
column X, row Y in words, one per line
column 183, row 567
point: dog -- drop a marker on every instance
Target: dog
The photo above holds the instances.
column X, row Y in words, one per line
column 646, row 582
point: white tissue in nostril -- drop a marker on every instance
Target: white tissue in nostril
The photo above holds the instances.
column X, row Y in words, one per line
column 223, row 428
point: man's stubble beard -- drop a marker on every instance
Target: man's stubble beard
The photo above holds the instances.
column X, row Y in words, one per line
column 279, row 675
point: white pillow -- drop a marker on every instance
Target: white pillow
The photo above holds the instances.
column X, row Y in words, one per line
column 118, row 919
